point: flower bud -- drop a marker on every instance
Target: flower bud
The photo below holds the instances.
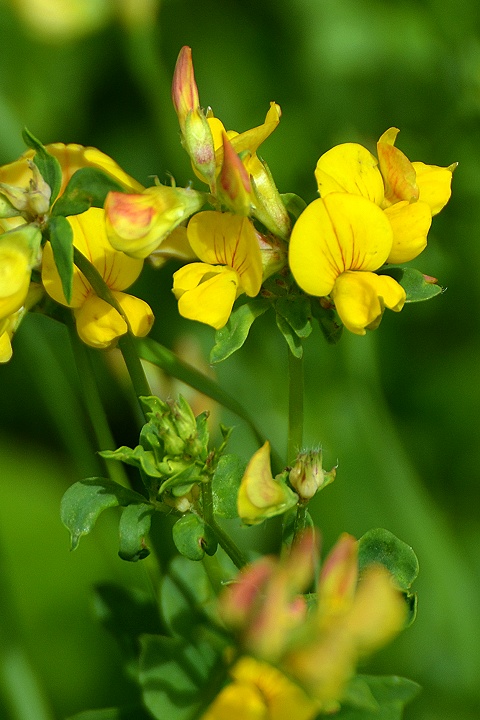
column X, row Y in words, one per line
column 138, row 224
column 234, row 186
column 268, row 206
column 183, row 418
column 184, row 88
column 307, row 475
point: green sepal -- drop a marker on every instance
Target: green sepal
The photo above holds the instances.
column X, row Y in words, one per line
column 126, row 613
column 132, row 712
column 225, row 484
column 193, row 537
column 138, row 457
column 296, row 310
column 174, row 675
column 187, row 597
column 381, row 546
column 380, row 698
column 293, row 341
column 328, row 321
column 133, row 528
column 230, row 338
column 88, row 187
column 288, row 528
column 60, row 235
column 413, row 282
column 47, row 164
column 294, row 204
column 85, row 500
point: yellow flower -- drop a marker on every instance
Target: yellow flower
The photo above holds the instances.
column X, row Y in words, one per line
column 260, row 496
column 336, row 244
column 9, row 324
column 19, row 252
column 231, row 264
column 261, row 692
column 410, row 193
column 98, row 323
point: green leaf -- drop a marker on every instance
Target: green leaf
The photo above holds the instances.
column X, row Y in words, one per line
column 230, row 338
column 381, row 546
column 295, row 309
column 126, row 613
column 47, row 164
column 132, row 712
column 133, row 527
column 173, row 674
column 88, row 187
column 138, row 457
column 225, row 485
column 391, row 693
column 413, row 282
column 84, row 501
column 193, row 538
column 294, row 204
column 186, row 596
column 328, row 321
column 60, row 235
column 293, row 341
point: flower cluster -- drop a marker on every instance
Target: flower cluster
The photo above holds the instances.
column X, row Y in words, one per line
column 296, row 661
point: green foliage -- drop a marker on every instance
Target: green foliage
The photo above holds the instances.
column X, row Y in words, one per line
column 225, row 484
column 88, row 187
column 294, row 204
column 231, row 338
column 193, row 537
column 84, row 501
column 132, row 712
column 173, row 673
column 329, row 324
column 416, row 285
column 133, row 529
column 48, row 165
column 371, row 697
column 60, row 235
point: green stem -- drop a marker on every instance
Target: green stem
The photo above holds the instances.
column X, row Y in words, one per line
column 125, row 343
column 295, row 406
column 94, row 406
column 300, row 521
column 224, row 540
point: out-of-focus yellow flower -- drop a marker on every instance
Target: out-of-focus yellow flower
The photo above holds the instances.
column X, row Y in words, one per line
column 9, row 325
column 261, row 692
column 318, row 649
column 19, row 253
column 260, row 496
column 98, row 323
column 231, row 264
column 139, row 224
column 336, row 244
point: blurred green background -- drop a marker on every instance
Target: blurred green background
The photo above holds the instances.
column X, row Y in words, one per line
column 398, row 409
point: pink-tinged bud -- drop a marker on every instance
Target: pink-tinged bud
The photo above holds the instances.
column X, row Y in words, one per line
column 184, row 88
column 338, row 578
column 198, row 142
column 234, row 185
column 307, row 475
column 138, row 224
column 241, row 597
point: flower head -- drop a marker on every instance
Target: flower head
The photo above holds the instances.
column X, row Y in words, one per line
column 231, row 264
column 19, row 253
column 98, row 323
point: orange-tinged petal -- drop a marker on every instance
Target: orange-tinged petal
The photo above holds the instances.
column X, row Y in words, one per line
column 234, row 181
column 361, row 297
column 139, row 314
column 337, row 233
column 350, row 168
column 434, row 184
column 227, row 239
column 184, row 88
column 206, row 293
column 410, row 224
column 338, row 579
column 397, row 171
column 98, row 323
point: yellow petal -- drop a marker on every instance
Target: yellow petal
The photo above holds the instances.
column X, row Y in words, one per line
column 252, row 139
column 227, row 239
column 139, row 313
column 238, row 701
column 205, row 293
column 361, row 297
column 337, row 233
column 53, row 285
column 434, row 184
column 397, row 171
column 350, row 168
column 175, row 245
column 410, row 224
column 98, row 323
column 5, row 346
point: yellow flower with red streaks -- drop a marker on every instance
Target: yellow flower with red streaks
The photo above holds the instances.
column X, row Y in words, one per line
column 231, row 264
column 98, row 323
column 370, row 212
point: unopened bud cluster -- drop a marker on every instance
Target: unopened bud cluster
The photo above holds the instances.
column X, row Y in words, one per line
column 307, row 475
